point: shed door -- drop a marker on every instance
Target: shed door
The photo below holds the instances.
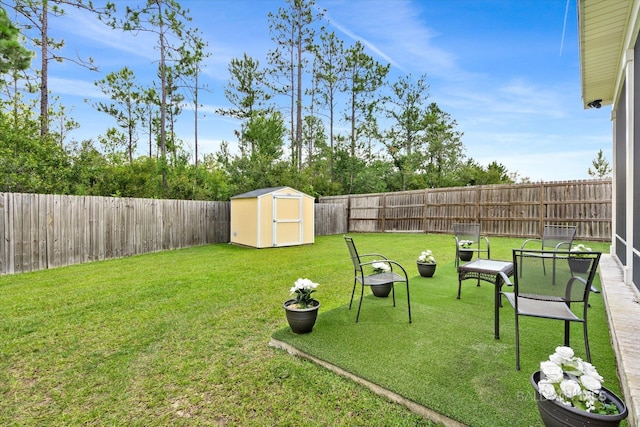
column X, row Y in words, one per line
column 287, row 220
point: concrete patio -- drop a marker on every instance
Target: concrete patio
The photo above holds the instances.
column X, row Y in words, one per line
column 622, row 303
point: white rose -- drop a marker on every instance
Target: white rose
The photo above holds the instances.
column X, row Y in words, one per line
column 570, row 388
column 590, row 370
column 380, row 266
column 591, row 383
column 552, row 372
column 557, row 359
column 565, row 352
column 547, row 390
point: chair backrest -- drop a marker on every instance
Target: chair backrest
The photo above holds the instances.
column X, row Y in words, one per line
column 558, row 236
column 467, row 232
column 570, row 279
column 355, row 258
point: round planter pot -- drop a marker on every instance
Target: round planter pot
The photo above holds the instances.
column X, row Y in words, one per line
column 579, row 265
column 465, row 254
column 381, row 291
column 425, row 269
column 555, row 414
column 301, row 320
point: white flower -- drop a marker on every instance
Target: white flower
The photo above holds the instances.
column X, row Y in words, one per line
column 580, row 248
column 465, row 243
column 565, row 353
column 303, row 288
column 552, row 371
column 303, row 284
column 380, row 267
column 547, row 390
column 427, row 256
column 570, row 388
column 590, row 370
column 573, row 382
column 590, row 383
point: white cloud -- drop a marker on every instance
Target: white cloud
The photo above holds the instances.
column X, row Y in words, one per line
column 74, row 87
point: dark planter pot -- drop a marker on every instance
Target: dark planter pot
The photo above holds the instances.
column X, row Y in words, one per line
column 579, row 265
column 426, row 269
column 465, row 254
column 555, row 414
column 381, row 291
column 302, row 320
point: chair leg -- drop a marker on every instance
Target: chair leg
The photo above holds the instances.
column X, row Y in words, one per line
column 353, row 291
column 360, row 303
column 393, row 293
column 517, row 344
column 567, row 332
column 586, row 342
column 408, row 302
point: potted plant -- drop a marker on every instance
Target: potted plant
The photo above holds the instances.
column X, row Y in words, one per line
column 464, row 250
column 302, row 310
column 569, row 392
column 577, row 260
column 426, row 263
column 382, row 290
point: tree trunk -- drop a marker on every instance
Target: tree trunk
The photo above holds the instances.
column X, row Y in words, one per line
column 44, row 88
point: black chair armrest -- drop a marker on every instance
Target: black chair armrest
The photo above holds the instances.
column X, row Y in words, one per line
column 531, row 240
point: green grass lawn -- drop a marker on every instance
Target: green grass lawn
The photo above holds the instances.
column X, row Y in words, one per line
column 181, row 338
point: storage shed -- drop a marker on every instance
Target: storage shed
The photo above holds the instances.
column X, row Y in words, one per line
column 272, row 217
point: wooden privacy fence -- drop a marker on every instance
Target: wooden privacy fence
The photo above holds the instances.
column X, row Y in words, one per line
column 516, row 210
column 45, row 231
column 330, row 219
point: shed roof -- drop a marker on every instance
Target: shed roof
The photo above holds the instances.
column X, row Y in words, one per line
column 603, row 28
column 261, row 192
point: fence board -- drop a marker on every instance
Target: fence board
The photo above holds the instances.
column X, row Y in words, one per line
column 518, row 210
column 45, row 231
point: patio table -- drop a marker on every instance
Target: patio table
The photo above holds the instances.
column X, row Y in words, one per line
column 490, row 271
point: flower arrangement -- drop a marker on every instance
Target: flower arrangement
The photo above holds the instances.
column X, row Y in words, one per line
column 573, row 382
column 465, row 244
column 427, row 257
column 303, row 288
column 578, row 251
column 380, row 267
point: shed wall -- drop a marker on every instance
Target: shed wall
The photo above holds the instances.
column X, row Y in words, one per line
column 286, row 212
column 244, row 222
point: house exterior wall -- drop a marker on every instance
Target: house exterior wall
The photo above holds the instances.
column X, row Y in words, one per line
column 626, row 160
column 636, row 173
column 620, row 179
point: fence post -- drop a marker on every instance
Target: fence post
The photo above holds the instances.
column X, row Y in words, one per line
column 542, row 210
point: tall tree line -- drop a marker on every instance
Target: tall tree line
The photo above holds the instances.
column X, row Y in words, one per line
column 313, row 83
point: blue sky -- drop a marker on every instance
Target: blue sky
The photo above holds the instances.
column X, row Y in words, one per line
column 507, row 71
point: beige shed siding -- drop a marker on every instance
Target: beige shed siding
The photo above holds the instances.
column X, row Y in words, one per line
column 287, row 219
column 257, row 215
column 308, row 213
column 244, row 222
column 265, row 219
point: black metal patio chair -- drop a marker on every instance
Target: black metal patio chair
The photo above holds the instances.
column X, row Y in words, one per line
column 377, row 279
column 537, row 294
column 476, row 243
column 554, row 238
